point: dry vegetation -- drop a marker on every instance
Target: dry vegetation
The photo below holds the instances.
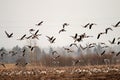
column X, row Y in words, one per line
column 11, row 72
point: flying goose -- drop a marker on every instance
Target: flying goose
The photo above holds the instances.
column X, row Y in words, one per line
column 73, row 44
column 90, row 26
column 65, row 24
column 100, row 34
column 112, row 42
column 9, row 35
column 83, row 48
column 40, row 23
column 85, row 26
column 103, row 53
column 68, row 50
column 118, row 43
column 22, row 37
column 118, row 53
column 54, row 52
column 106, row 30
column 62, row 30
column 117, row 24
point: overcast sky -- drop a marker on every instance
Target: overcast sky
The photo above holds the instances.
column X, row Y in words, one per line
column 18, row 16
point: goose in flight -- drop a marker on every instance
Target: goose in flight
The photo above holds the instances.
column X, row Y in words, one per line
column 65, row 24
column 106, row 30
column 62, row 30
column 73, row 44
column 83, row 48
column 103, row 53
column 90, row 26
column 54, row 52
column 85, row 26
column 118, row 53
column 117, row 24
column 22, row 37
column 100, row 34
column 118, row 43
column 40, row 23
column 112, row 42
column 31, row 47
column 51, row 39
column 68, row 50
column 75, row 37
column 9, row 35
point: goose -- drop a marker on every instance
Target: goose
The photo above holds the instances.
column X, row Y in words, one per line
column 73, row 44
column 90, row 26
column 9, row 35
column 106, row 30
column 74, row 37
column 54, row 52
column 83, row 48
column 36, row 36
column 103, row 53
column 85, row 26
column 68, row 50
column 65, row 24
column 112, row 42
column 50, row 38
column 100, row 35
column 117, row 24
column 31, row 30
column 118, row 43
column 23, row 52
column 40, row 23
column 22, row 37
column 118, row 53
column 62, row 30
column 52, row 41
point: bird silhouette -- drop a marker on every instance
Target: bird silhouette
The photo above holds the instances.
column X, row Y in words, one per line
column 54, row 52
column 85, row 26
column 9, row 35
column 90, row 26
column 75, row 37
column 100, row 34
column 83, row 48
column 106, row 30
column 40, row 23
column 103, row 53
column 22, row 37
column 73, row 44
column 117, row 24
column 112, row 42
column 118, row 53
column 31, row 30
column 62, row 30
column 65, row 24
column 68, row 50
column 118, row 43
column 50, row 38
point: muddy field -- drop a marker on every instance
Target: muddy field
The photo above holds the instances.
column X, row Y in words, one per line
column 61, row 73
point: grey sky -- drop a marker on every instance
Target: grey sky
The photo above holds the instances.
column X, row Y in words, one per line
column 18, row 16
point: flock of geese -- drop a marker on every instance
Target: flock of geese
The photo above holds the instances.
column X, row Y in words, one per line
column 34, row 34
